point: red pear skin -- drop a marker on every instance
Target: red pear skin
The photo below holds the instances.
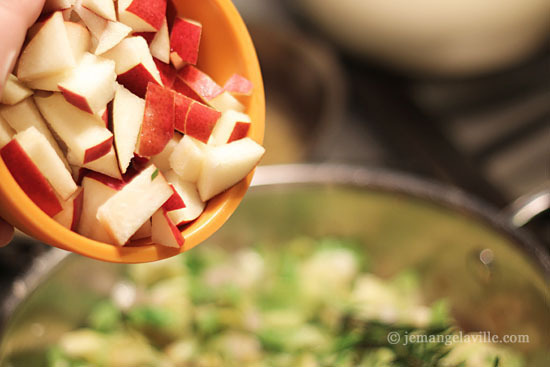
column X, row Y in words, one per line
column 175, row 231
column 185, row 39
column 106, row 117
column 109, row 181
column 76, row 100
column 158, row 121
column 167, row 73
column 147, row 35
column 98, row 151
column 176, row 234
column 239, row 131
column 175, row 202
column 136, row 80
column 200, row 121
column 238, row 85
column 180, row 87
column 77, row 210
column 30, row 179
column 171, row 13
column 151, row 11
column 182, row 105
column 200, row 83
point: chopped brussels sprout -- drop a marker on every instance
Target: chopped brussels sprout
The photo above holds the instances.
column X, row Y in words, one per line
column 310, row 303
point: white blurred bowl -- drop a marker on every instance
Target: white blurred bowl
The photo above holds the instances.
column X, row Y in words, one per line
column 435, row 37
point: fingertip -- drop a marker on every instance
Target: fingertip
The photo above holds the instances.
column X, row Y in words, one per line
column 24, row 11
column 15, row 17
column 34, row 8
column 6, row 233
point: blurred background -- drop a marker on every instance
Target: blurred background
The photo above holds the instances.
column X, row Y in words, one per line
column 454, row 91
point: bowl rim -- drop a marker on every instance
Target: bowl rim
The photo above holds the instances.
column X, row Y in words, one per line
column 17, row 208
column 343, row 175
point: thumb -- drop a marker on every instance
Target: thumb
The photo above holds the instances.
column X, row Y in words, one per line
column 6, row 233
column 15, row 17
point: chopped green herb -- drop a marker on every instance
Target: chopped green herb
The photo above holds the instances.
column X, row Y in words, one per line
column 155, row 174
column 310, row 302
column 144, row 316
column 105, row 317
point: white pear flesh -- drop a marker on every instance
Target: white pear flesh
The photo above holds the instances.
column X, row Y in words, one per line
column 91, row 84
column 48, row 53
column 6, row 132
column 187, row 191
column 96, row 193
column 111, row 36
column 164, row 231
column 225, row 102
column 95, row 23
column 226, row 165
column 224, row 127
column 24, row 115
column 187, row 158
column 81, row 132
column 48, row 162
column 160, row 45
column 143, row 232
column 103, row 8
column 68, row 217
column 14, row 91
column 107, row 165
column 79, row 39
column 131, row 52
column 128, row 112
column 162, row 160
column 124, row 213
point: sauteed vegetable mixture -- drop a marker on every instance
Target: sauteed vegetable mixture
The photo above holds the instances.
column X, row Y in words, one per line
column 312, row 304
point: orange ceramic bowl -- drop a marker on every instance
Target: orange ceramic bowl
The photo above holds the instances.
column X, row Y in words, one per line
column 226, row 48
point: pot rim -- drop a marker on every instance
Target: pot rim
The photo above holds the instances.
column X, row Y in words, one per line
column 376, row 179
column 411, row 185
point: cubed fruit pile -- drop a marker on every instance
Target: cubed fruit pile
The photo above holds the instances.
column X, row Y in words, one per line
column 111, row 129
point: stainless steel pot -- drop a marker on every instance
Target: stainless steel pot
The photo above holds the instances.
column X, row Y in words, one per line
column 494, row 276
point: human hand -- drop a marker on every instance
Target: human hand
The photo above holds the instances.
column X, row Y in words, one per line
column 6, row 233
column 16, row 16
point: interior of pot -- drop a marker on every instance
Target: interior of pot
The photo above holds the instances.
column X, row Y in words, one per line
column 490, row 284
